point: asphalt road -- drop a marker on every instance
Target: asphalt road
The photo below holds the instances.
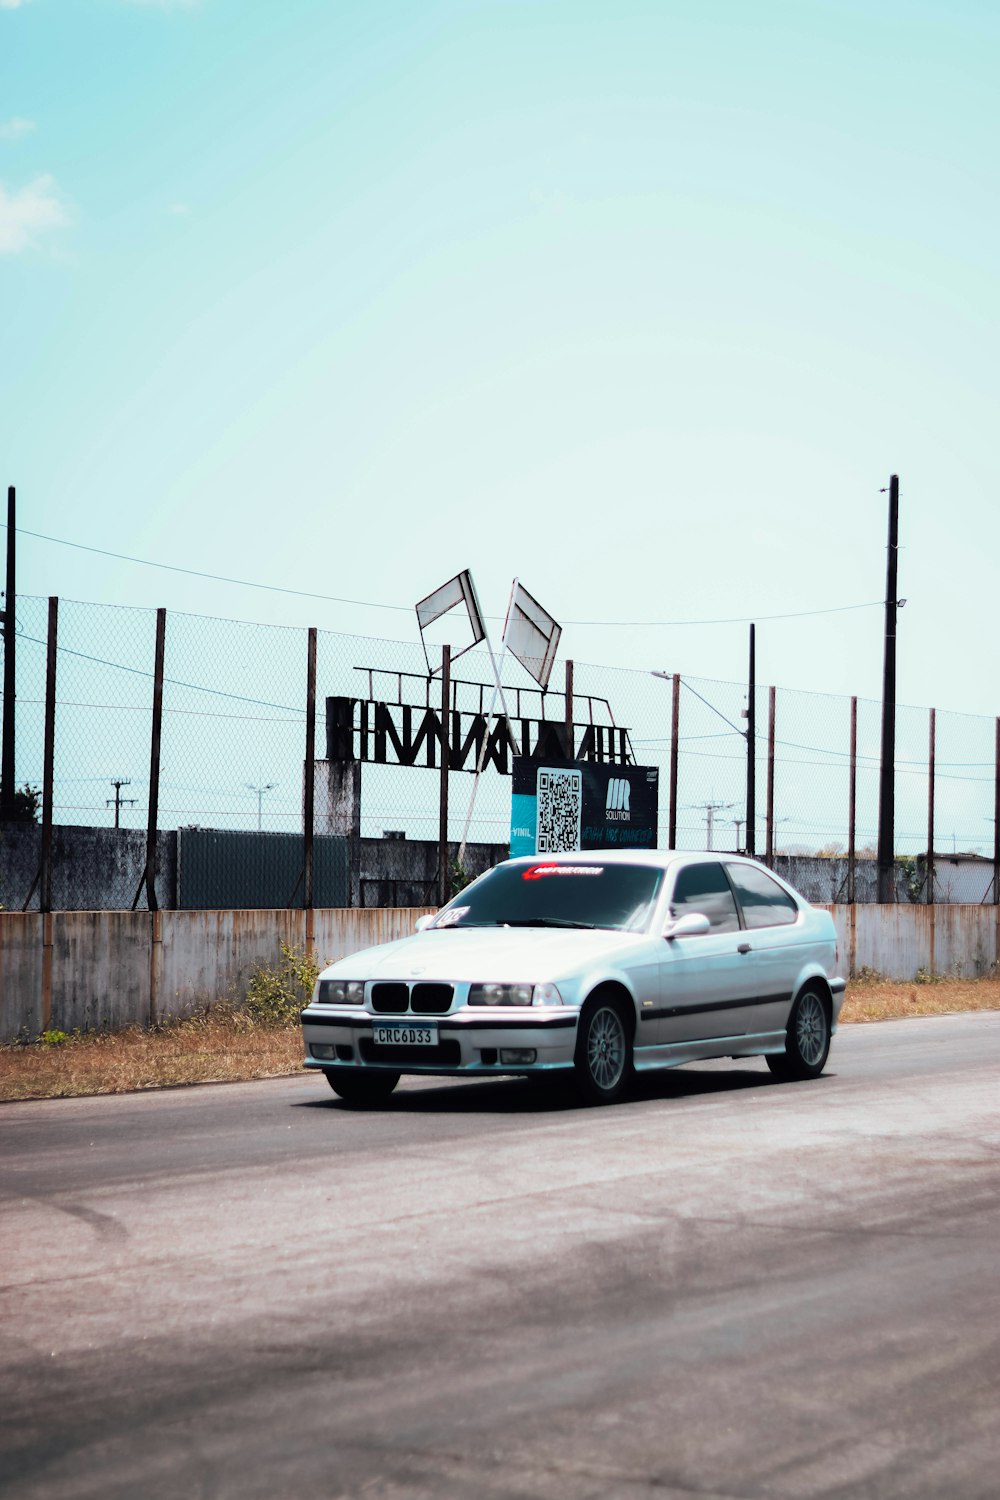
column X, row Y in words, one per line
column 724, row 1287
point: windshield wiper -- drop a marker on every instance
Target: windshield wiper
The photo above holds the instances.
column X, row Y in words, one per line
column 541, row 922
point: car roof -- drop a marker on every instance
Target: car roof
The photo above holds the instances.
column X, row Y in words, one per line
column 657, row 858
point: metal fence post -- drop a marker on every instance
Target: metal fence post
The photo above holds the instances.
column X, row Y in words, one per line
column 996, row 818
column 930, row 811
column 48, row 770
column 570, row 739
column 309, row 791
column 154, row 763
column 7, row 764
column 444, row 882
column 852, row 809
column 771, row 703
column 751, row 807
column 887, row 765
column 675, row 717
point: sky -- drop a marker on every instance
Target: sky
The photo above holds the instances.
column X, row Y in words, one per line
column 639, row 302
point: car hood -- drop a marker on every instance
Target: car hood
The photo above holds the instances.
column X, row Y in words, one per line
column 499, row 954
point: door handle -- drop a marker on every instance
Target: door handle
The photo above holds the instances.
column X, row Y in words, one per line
column 743, row 948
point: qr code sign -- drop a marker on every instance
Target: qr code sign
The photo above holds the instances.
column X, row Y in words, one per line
column 560, row 797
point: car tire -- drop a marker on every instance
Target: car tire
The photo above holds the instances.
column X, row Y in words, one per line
column 603, row 1060
column 807, row 1042
column 362, row 1089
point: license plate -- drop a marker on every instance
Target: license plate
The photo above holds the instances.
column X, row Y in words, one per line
column 395, row 1033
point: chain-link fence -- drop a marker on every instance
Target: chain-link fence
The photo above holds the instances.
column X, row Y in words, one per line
column 186, row 782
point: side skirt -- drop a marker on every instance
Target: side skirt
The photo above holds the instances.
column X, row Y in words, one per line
column 673, row 1054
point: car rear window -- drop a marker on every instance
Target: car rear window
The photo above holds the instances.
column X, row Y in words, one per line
column 554, row 894
column 764, row 902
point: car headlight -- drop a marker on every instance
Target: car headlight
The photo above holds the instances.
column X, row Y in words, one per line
column 341, row 992
column 514, row 994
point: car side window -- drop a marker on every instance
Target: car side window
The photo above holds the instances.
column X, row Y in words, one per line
column 764, row 902
column 704, row 888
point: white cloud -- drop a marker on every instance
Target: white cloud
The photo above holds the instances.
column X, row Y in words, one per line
column 28, row 212
column 179, row 210
column 11, row 4
column 12, row 130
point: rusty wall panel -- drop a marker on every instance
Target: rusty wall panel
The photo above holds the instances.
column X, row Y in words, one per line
column 101, row 961
column 20, row 974
column 100, row 969
column 965, row 940
column 346, row 931
column 893, row 940
column 900, row 941
column 210, row 955
column 207, row 956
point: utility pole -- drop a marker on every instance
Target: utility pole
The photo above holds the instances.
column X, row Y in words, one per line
column 738, row 824
column 887, row 774
column 7, row 767
column 260, row 790
column 710, row 809
column 118, row 800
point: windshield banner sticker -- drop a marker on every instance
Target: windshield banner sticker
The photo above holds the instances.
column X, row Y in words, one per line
column 450, row 916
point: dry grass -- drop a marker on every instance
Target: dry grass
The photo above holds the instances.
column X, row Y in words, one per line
column 876, row 999
column 225, row 1045
column 218, row 1047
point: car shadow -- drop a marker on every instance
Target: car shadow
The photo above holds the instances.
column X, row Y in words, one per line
column 514, row 1096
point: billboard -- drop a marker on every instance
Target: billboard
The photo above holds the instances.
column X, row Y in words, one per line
column 570, row 804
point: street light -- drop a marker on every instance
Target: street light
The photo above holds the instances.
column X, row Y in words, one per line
column 260, row 790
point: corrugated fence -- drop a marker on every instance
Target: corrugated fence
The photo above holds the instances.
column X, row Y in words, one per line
column 89, row 969
column 111, row 968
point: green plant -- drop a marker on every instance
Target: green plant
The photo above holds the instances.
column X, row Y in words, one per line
column 53, row 1038
column 277, row 992
column 457, row 878
column 913, row 875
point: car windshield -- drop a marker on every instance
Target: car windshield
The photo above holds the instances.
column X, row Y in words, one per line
column 620, row 897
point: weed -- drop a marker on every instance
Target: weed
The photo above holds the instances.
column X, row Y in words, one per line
column 277, row 993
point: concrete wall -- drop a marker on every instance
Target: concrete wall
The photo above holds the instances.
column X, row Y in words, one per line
column 99, row 869
column 93, row 869
column 960, row 878
column 404, row 872
column 89, row 969
column 93, row 969
column 899, row 940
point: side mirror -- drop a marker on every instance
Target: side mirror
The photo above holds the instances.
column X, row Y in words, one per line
column 424, row 921
column 692, row 924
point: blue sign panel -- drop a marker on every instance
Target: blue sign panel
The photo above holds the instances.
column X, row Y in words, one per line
column 568, row 804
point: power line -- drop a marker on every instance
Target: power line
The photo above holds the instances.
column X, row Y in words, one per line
column 193, row 687
column 273, row 588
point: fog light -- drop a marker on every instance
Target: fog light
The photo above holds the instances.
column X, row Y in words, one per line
column 517, row 1056
column 321, row 1049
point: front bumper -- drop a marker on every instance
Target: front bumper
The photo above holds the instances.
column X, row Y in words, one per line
column 467, row 1042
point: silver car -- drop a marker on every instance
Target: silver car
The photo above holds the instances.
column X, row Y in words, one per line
column 598, row 965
